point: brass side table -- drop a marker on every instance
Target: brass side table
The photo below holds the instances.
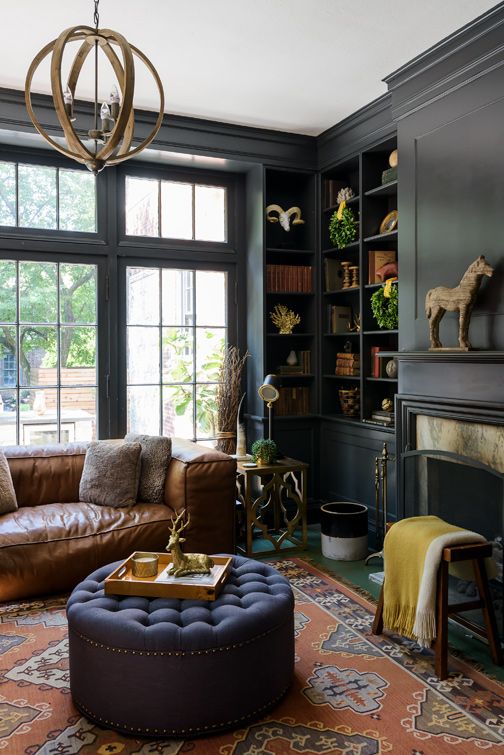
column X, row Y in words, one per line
column 281, row 489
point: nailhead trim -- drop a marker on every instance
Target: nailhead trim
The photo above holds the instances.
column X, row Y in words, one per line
column 180, row 732
column 207, row 651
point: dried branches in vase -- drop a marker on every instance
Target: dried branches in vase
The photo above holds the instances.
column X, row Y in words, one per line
column 228, row 398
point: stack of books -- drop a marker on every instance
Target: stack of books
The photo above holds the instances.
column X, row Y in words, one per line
column 383, row 417
column 347, row 364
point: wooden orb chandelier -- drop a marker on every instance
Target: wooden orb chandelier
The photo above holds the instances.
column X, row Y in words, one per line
column 110, row 138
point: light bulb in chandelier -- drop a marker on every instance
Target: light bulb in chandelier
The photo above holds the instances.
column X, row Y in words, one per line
column 107, row 122
column 68, row 100
column 114, row 102
column 112, row 136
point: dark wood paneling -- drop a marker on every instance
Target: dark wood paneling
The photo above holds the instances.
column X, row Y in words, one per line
column 347, row 456
column 450, row 209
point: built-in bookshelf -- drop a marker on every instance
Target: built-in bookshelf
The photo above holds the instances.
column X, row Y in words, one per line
column 290, row 279
column 349, row 279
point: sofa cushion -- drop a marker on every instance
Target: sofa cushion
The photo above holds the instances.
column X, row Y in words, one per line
column 55, row 522
column 155, row 457
column 111, row 474
column 43, row 474
column 8, row 500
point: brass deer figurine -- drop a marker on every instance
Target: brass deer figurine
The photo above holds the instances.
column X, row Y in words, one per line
column 185, row 563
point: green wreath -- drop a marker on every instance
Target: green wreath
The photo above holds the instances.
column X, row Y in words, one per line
column 386, row 310
column 342, row 232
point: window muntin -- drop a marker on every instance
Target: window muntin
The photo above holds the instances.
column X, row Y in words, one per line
column 174, row 355
column 48, row 352
column 47, row 198
column 175, row 210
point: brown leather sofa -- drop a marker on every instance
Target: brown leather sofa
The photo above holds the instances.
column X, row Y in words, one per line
column 53, row 541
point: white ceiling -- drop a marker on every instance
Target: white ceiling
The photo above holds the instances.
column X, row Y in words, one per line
column 295, row 65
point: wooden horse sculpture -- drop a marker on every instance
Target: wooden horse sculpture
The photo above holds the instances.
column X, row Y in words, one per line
column 185, row 563
column 461, row 299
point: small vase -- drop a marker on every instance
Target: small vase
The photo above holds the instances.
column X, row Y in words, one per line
column 292, row 358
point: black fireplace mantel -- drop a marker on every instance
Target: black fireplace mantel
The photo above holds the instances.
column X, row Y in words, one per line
column 462, row 375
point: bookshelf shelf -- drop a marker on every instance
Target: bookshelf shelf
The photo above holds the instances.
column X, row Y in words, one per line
column 390, row 236
column 342, row 377
column 382, row 380
column 350, row 203
column 354, row 246
column 385, row 190
column 290, row 293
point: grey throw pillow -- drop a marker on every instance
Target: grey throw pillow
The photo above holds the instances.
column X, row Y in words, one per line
column 8, row 501
column 111, row 473
column 155, row 457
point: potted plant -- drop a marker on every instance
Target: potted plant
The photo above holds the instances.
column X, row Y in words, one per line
column 264, row 452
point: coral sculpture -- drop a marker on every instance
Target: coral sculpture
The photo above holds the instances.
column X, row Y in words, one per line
column 284, row 318
column 344, row 195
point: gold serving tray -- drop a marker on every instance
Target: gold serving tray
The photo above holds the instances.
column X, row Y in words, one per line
column 195, row 586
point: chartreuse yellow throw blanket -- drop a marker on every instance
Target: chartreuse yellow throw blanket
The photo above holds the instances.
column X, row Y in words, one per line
column 412, row 554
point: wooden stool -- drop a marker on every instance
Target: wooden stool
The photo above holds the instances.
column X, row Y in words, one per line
column 475, row 552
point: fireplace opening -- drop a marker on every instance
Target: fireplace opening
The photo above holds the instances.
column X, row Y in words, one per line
column 467, row 493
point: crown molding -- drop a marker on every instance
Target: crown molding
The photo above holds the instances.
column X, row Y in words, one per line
column 178, row 133
column 466, row 55
column 371, row 124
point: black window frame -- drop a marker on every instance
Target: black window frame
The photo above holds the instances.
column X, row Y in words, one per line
column 111, row 249
column 102, row 323
column 53, row 160
column 169, row 263
column 196, row 176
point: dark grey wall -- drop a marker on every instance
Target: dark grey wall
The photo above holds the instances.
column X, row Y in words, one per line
column 449, row 109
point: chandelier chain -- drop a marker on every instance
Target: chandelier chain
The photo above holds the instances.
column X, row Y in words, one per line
column 96, row 15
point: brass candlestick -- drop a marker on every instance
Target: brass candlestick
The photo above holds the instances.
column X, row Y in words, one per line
column 354, row 270
column 347, row 282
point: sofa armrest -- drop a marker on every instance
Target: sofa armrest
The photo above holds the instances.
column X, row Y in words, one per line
column 203, row 481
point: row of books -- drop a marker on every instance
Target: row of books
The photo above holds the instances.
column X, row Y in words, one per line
column 303, row 366
column 290, row 278
column 347, row 364
column 293, row 401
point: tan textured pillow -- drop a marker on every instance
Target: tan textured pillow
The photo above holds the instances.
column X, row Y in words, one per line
column 8, row 501
column 155, row 457
column 111, row 473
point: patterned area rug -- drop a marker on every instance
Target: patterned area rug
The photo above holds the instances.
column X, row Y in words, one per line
column 352, row 694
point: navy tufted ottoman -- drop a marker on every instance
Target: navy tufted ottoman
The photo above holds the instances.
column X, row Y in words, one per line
column 170, row 667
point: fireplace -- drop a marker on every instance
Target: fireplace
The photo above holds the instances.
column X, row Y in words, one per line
column 450, row 447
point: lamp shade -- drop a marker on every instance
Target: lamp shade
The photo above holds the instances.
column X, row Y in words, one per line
column 269, row 391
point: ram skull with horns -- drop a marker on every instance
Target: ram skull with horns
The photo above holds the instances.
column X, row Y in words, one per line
column 284, row 216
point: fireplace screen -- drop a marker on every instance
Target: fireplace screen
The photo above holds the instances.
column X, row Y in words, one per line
column 466, row 493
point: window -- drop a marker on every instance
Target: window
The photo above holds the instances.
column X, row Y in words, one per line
column 48, row 338
column 176, row 335
column 176, row 210
column 39, row 196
